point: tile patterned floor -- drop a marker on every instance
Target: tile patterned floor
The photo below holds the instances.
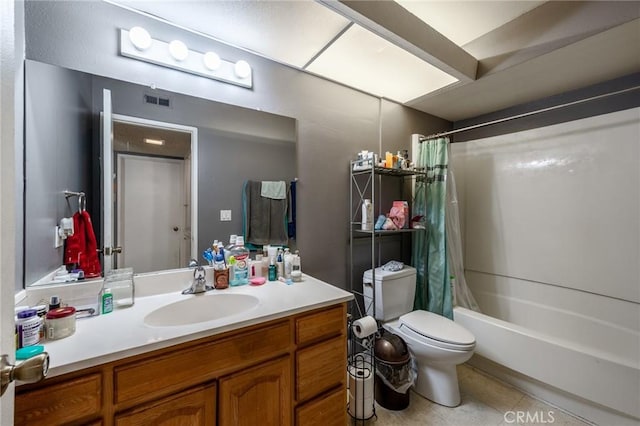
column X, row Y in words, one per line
column 485, row 401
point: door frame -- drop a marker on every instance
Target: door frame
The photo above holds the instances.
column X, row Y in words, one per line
column 194, row 167
column 11, row 104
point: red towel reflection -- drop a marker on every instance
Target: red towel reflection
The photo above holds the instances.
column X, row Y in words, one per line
column 81, row 247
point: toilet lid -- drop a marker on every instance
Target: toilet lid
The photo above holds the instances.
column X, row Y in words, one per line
column 437, row 327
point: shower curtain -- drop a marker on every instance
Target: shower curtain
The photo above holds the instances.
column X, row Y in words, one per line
column 437, row 252
column 429, row 255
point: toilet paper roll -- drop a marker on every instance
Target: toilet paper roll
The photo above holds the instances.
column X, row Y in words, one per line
column 364, row 327
column 360, row 392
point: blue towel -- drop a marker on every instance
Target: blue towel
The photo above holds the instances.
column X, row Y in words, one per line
column 276, row 190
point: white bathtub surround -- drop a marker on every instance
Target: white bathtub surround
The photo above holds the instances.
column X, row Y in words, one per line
column 123, row 332
column 552, row 242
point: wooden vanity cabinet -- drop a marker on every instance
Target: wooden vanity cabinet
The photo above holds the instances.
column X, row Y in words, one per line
column 283, row 372
column 320, row 370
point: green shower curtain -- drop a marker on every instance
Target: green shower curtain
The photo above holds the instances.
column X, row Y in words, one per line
column 429, row 255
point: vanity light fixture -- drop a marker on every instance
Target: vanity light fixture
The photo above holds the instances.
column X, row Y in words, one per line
column 178, row 50
column 154, row 141
column 242, row 69
column 178, row 56
column 212, row 61
column 140, row 38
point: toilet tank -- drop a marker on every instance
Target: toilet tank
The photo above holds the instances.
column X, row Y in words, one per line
column 394, row 292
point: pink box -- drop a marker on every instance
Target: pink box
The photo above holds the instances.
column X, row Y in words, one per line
column 404, row 207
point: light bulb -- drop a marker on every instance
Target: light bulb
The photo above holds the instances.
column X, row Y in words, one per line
column 140, row 38
column 211, row 61
column 178, row 50
column 242, row 69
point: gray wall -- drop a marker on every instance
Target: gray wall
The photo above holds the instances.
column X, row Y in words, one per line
column 334, row 122
column 57, row 158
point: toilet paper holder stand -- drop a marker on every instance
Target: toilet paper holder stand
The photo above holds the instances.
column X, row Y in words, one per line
column 360, row 359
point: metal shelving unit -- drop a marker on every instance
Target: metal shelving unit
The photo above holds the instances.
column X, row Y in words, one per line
column 366, row 184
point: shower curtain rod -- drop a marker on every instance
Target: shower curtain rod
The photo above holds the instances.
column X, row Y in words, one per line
column 526, row 114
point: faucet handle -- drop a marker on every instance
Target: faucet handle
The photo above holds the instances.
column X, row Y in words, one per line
column 199, row 273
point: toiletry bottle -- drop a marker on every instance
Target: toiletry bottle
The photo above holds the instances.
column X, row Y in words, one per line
column 295, row 264
column 265, row 264
column 29, row 325
column 107, row 301
column 280, row 263
column 367, row 215
column 241, row 266
column 288, row 261
column 227, row 249
column 273, row 270
column 54, row 302
column 220, row 273
column 257, row 266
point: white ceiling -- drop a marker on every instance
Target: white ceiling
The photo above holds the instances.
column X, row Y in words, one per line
column 523, row 50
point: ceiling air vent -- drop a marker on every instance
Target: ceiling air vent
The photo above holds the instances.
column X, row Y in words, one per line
column 156, row 100
column 151, row 99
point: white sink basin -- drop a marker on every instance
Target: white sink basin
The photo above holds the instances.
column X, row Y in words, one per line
column 200, row 308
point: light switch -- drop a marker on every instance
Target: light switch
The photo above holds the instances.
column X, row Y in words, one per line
column 225, row 215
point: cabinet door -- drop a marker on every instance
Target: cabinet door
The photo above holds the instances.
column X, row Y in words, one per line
column 194, row 407
column 258, row 396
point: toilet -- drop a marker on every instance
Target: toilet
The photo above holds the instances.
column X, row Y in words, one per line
column 437, row 344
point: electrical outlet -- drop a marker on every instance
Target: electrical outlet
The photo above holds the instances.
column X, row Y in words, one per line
column 225, row 215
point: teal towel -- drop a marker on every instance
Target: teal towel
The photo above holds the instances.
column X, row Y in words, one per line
column 276, row 190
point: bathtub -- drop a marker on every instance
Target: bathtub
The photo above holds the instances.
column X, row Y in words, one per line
column 586, row 347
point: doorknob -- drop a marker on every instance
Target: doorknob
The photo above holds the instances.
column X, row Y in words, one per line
column 175, row 229
column 31, row 370
column 108, row 251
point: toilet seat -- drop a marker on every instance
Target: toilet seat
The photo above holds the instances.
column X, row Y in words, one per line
column 438, row 330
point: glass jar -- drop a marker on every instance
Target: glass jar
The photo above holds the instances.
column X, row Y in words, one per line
column 120, row 281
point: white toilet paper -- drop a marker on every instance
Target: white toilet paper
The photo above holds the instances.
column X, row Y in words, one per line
column 364, row 327
column 360, row 392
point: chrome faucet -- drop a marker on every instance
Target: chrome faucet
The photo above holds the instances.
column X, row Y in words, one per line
column 199, row 284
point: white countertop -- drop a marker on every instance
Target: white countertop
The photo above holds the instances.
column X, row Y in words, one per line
column 123, row 333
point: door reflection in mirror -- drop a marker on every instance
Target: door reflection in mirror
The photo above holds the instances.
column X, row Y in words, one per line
column 152, row 196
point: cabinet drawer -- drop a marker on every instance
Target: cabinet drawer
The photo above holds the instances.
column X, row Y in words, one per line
column 195, row 407
column 326, row 410
column 320, row 367
column 60, row 403
column 321, row 325
column 145, row 379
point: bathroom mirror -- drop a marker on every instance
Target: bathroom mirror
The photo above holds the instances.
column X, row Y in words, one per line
column 63, row 110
